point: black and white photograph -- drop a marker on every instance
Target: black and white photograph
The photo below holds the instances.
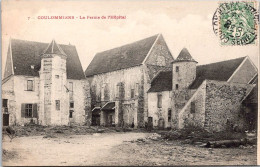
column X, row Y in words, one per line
column 129, row 83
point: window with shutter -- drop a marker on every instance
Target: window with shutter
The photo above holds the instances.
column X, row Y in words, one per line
column 22, row 110
column 159, row 102
column 35, row 110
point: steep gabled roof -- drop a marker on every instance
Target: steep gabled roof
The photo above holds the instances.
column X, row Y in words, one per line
column 220, row 71
column 54, row 48
column 123, row 57
column 184, row 56
column 162, row 82
column 27, row 53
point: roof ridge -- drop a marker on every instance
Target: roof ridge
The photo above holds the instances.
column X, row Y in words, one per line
column 38, row 42
column 223, row 61
column 128, row 44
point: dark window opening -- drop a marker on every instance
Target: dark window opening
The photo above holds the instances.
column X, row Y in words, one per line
column 159, row 103
column 177, row 69
column 132, row 93
column 71, row 104
column 29, row 85
column 169, row 115
column 192, row 107
column 177, row 86
column 71, row 113
column 28, row 111
column 4, row 103
column 57, row 104
column 57, row 76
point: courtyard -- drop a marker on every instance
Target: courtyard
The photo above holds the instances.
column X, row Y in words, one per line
column 115, row 148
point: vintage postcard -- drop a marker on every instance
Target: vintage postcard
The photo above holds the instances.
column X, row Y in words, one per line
column 132, row 83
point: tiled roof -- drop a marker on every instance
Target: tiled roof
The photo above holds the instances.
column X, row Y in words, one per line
column 123, row 57
column 184, row 56
column 27, row 53
column 162, row 82
column 220, row 71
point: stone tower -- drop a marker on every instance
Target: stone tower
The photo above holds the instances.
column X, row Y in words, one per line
column 54, row 99
column 183, row 74
column 183, row 70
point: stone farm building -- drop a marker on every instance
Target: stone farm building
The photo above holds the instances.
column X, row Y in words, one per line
column 44, row 84
column 120, row 78
column 215, row 96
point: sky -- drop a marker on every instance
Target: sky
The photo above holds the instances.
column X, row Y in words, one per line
column 182, row 24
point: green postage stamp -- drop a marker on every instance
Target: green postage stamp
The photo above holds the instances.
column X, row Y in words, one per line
column 236, row 23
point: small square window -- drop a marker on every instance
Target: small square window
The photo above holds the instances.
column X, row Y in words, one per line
column 29, row 85
column 169, row 115
column 176, row 86
column 71, row 104
column 71, row 113
column 57, row 76
column 132, row 93
column 57, row 104
column 177, row 69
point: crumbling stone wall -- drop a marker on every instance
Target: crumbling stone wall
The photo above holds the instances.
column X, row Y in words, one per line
column 195, row 118
column 160, row 54
column 179, row 98
column 8, row 93
column 223, row 105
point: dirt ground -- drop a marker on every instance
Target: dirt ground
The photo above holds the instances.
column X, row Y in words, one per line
column 117, row 148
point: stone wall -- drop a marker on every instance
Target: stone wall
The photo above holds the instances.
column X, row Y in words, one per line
column 23, row 96
column 223, row 105
column 117, row 86
column 81, row 99
column 8, row 93
column 195, row 118
column 158, row 113
column 160, row 54
column 185, row 76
